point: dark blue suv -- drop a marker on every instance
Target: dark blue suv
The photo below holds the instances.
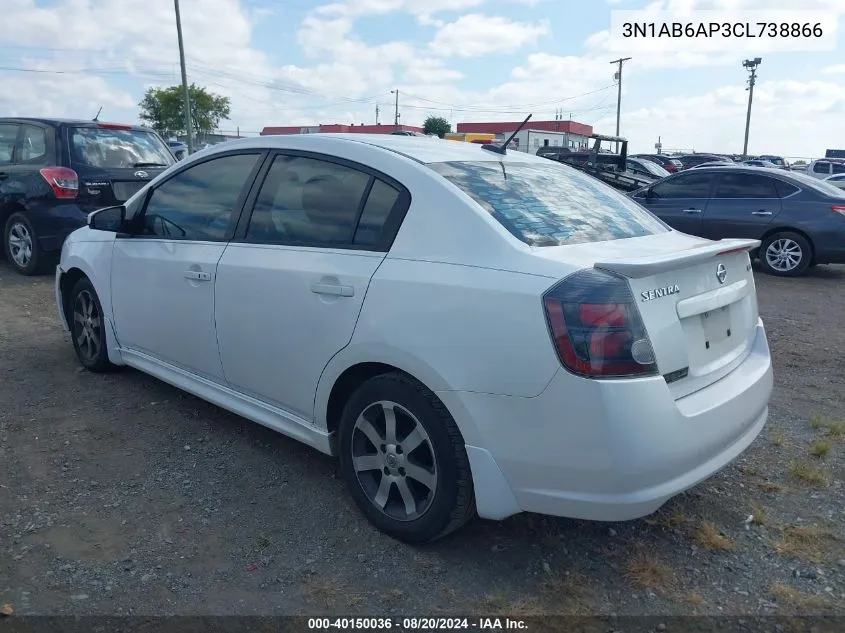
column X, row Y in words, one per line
column 54, row 172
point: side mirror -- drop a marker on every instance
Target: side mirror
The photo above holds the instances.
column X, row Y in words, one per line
column 110, row 219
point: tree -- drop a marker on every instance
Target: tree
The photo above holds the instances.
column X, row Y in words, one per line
column 163, row 109
column 437, row 125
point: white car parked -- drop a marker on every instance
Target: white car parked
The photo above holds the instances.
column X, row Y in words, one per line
column 468, row 331
column 837, row 180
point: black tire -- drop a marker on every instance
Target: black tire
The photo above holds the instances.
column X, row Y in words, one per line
column 797, row 243
column 452, row 503
column 22, row 228
column 88, row 328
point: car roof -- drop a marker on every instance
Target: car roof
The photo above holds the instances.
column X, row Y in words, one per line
column 418, row 148
column 60, row 121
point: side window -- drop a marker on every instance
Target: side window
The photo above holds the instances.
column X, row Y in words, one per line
column 307, row 201
column 745, row 186
column 380, row 203
column 839, row 168
column 684, row 186
column 821, row 167
column 785, row 188
column 33, row 146
column 8, row 136
column 199, row 203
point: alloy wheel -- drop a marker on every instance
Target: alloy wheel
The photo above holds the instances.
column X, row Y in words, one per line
column 87, row 326
column 20, row 244
column 394, row 461
column 784, row 254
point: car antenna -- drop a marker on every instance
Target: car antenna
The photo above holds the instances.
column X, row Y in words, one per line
column 503, row 148
column 97, row 116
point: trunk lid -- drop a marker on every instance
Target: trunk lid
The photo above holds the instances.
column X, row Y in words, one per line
column 697, row 300
column 105, row 187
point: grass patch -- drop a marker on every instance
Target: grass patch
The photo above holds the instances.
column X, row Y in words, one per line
column 769, row 486
column 832, row 429
column 809, row 542
column 694, row 598
column 324, row 592
column 758, row 512
column 778, row 439
column 794, row 598
column 497, row 603
column 645, row 570
column 809, row 473
column 820, row 448
column 708, row 536
column 571, row 592
column 670, row 521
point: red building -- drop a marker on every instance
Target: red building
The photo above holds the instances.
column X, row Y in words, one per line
column 507, row 127
column 338, row 128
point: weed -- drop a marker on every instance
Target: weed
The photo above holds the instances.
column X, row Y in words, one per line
column 795, row 598
column 809, row 473
column 758, row 513
column 647, row 571
column 778, row 439
column 820, row 448
column 708, row 536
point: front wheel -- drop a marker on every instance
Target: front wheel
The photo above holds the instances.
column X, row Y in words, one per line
column 88, row 328
column 403, row 460
column 786, row 254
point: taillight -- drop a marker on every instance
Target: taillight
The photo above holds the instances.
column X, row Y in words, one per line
column 596, row 327
column 839, row 209
column 63, row 181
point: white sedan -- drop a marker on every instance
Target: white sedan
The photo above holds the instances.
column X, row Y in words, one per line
column 469, row 331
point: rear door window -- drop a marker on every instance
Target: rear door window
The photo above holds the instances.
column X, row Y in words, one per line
column 8, row 136
column 33, row 146
column 745, row 186
column 546, row 204
column 111, row 148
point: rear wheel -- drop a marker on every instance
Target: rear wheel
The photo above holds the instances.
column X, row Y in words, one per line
column 21, row 245
column 786, row 254
column 404, row 461
column 88, row 328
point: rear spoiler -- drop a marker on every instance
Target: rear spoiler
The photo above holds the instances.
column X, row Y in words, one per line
column 636, row 267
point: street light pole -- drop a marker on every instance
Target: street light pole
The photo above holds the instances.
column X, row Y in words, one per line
column 619, row 61
column 396, row 109
column 186, row 94
column 751, row 65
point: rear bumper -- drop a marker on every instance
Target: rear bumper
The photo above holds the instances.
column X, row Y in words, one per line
column 610, row 450
column 53, row 223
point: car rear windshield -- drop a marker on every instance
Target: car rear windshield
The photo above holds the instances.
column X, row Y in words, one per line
column 550, row 204
column 115, row 148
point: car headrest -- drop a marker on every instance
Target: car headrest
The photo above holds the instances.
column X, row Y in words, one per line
column 326, row 197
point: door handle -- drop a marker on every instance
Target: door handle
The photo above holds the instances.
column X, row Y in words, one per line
column 197, row 275
column 692, row 210
column 336, row 290
column 761, row 213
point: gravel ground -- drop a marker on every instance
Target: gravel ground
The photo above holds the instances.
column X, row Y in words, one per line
column 122, row 495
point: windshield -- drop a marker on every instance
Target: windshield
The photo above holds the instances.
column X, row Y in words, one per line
column 653, row 168
column 550, row 204
column 111, row 148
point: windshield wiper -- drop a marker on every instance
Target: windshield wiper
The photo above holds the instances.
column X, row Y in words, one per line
column 136, row 165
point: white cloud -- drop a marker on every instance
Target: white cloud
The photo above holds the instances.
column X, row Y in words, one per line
column 474, row 34
column 832, row 70
column 785, row 114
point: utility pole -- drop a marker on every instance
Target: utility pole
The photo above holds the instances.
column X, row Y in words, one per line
column 377, row 123
column 618, row 78
column 187, row 96
column 396, row 109
column 751, row 65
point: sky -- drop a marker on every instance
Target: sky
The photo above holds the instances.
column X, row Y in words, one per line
column 306, row 62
